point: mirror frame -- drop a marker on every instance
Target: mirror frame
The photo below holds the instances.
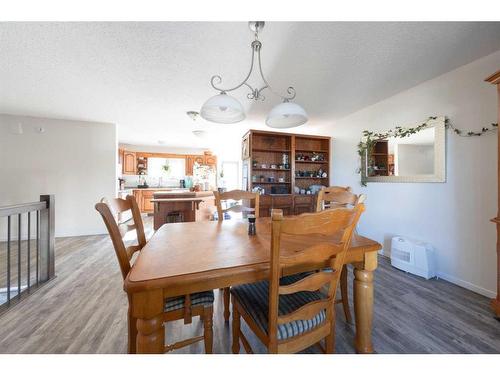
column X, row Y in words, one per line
column 439, row 160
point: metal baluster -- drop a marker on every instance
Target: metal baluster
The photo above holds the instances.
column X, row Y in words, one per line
column 19, row 256
column 37, row 243
column 8, row 259
column 29, row 253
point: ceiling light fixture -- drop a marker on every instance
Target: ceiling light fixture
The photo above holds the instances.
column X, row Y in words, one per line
column 193, row 115
column 225, row 109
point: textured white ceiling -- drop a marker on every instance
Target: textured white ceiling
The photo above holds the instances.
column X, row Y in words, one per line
column 145, row 76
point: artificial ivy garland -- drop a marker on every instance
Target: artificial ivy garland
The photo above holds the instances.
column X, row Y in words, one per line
column 365, row 147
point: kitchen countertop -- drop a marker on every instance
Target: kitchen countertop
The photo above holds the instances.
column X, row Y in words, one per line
column 156, row 188
column 183, row 194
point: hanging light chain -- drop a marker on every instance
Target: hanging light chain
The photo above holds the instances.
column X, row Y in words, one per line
column 255, row 93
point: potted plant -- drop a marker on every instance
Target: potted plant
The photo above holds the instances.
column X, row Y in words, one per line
column 166, row 168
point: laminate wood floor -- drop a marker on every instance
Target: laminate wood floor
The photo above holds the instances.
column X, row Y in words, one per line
column 83, row 310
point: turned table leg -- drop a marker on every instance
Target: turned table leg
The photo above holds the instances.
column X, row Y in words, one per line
column 147, row 308
column 132, row 332
column 363, row 302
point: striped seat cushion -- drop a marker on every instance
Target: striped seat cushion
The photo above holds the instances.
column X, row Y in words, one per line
column 254, row 298
column 203, row 298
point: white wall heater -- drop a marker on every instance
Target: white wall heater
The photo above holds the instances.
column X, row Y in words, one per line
column 413, row 256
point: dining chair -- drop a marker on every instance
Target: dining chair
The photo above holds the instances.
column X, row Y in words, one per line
column 335, row 197
column 234, row 195
column 291, row 313
column 175, row 308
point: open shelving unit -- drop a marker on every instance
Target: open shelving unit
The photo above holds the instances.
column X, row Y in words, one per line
column 379, row 159
column 280, row 163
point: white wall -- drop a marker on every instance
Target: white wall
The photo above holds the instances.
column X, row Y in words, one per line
column 453, row 216
column 74, row 160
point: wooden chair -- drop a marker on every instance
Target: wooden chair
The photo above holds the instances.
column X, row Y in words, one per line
column 236, row 195
column 335, row 197
column 291, row 313
column 183, row 307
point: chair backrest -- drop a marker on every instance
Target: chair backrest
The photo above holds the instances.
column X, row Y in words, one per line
column 236, row 195
column 335, row 222
column 109, row 211
column 337, row 196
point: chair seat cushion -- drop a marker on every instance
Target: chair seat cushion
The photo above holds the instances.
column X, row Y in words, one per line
column 203, row 298
column 254, row 298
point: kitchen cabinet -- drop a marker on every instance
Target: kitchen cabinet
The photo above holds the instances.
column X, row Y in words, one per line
column 210, row 160
column 129, row 162
column 200, row 159
column 189, row 165
column 207, row 159
column 120, row 157
column 136, row 162
column 143, row 199
column 147, row 205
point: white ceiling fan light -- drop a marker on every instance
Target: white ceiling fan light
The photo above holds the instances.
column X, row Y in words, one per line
column 225, row 109
column 286, row 115
column 222, row 109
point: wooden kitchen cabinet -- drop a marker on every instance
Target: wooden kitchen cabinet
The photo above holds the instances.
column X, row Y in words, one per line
column 134, row 162
column 120, row 156
column 147, row 205
column 200, row 159
column 210, row 160
column 207, row 159
column 129, row 162
column 189, row 165
column 143, row 199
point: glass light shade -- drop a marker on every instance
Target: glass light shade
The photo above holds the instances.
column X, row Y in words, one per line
column 223, row 109
column 286, row 115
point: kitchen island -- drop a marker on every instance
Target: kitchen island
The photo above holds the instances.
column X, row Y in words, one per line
column 175, row 207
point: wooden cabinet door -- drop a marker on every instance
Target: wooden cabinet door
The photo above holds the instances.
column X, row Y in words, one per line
column 120, row 157
column 147, row 205
column 210, row 160
column 129, row 162
column 189, row 165
column 200, row 159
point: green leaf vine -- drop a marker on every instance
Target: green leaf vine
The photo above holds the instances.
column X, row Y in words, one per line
column 370, row 138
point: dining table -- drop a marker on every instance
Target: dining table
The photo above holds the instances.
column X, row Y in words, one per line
column 184, row 258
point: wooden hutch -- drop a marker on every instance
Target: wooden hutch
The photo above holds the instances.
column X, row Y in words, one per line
column 380, row 160
column 285, row 166
column 495, row 303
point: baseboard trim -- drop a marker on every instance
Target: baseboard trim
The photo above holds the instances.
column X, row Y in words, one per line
column 467, row 285
column 462, row 283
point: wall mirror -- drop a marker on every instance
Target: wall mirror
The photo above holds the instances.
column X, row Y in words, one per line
column 418, row 157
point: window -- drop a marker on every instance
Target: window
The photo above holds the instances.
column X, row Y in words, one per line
column 176, row 171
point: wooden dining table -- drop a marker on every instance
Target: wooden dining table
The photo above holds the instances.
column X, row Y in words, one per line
column 184, row 258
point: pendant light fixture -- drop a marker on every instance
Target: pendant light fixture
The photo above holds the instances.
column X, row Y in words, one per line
column 225, row 109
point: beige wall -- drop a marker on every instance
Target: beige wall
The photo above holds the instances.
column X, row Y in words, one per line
column 74, row 160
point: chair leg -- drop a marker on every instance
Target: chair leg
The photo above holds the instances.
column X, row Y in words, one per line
column 208, row 329
column 344, row 294
column 236, row 330
column 227, row 311
column 330, row 339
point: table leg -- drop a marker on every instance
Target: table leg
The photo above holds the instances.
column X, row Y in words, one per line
column 363, row 302
column 147, row 308
column 132, row 332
